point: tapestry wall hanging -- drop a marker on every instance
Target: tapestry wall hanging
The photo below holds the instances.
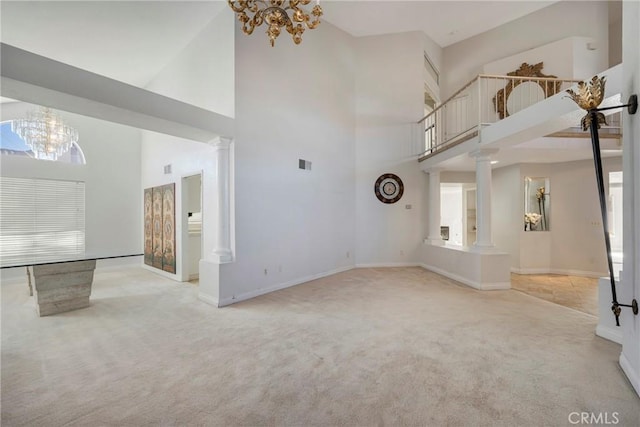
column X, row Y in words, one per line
column 159, row 227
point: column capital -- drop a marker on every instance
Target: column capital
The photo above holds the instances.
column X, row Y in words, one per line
column 220, row 142
column 483, row 153
column 221, row 256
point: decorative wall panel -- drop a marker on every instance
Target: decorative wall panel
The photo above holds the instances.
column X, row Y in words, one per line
column 148, row 226
column 159, row 227
column 168, row 228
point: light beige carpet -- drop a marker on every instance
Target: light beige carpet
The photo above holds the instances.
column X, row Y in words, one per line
column 368, row 347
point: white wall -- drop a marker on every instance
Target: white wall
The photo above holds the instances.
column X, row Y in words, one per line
column 630, row 283
column 186, row 158
column 194, row 195
column 464, row 60
column 203, row 73
column 434, row 53
column 112, row 179
column 451, row 211
column 569, row 58
column 615, row 33
column 575, row 242
column 457, row 176
column 292, row 102
column 389, row 97
column 507, row 210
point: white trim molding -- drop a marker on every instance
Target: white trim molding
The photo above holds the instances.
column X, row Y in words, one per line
column 495, row 286
column 208, row 299
column 480, row 270
column 561, row 271
column 387, row 264
column 609, row 333
column 631, row 374
column 252, row 294
column 221, row 248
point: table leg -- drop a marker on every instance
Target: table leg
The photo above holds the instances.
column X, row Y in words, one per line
column 63, row 286
column 29, row 282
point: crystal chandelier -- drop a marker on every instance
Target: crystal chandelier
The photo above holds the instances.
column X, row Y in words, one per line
column 276, row 15
column 45, row 133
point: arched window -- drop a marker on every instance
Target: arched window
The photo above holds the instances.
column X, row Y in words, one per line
column 12, row 145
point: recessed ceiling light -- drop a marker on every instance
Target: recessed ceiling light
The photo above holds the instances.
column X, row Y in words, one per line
column 493, row 162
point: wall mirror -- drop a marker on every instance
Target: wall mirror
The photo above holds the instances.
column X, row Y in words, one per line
column 537, row 198
column 527, row 86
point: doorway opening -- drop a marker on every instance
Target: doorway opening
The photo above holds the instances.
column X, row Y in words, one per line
column 430, row 103
column 192, row 227
column 614, row 216
column 458, row 213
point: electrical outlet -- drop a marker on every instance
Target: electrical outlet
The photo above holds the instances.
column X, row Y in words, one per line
column 348, row 254
column 265, row 271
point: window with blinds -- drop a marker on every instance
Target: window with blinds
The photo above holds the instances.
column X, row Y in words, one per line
column 40, row 220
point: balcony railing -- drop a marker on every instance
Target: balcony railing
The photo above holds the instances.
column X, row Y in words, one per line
column 484, row 100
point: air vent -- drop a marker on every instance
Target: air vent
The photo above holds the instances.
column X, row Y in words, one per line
column 304, row 164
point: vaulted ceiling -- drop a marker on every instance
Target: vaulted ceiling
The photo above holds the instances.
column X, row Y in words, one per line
column 101, row 36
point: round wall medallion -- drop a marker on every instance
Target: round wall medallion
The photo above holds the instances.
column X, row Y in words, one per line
column 388, row 188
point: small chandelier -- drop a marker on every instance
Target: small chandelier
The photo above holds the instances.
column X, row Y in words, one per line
column 276, row 16
column 45, row 133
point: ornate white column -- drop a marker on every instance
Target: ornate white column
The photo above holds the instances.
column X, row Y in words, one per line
column 434, row 236
column 484, row 239
column 222, row 250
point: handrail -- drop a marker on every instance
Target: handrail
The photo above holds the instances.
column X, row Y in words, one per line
column 454, row 118
column 449, row 99
column 554, row 79
column 492, row 76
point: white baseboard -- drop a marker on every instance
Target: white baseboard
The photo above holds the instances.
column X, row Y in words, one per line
column 631, row 374
column 476, row 285
column 560, row 271
column 194, row 276
column 208, row 299
column 252, row 294
column 610, row 334
column 530, row 270
column 162, row 273
column 388, row 264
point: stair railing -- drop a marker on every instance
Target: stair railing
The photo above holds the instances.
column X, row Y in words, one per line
column 484, row 100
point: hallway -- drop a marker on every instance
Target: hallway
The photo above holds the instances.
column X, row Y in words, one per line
column 579, row 293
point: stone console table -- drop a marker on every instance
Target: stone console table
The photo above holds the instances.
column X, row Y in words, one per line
column 64, row 285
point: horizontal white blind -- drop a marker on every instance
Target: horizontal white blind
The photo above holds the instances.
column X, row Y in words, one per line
column 40, row 220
